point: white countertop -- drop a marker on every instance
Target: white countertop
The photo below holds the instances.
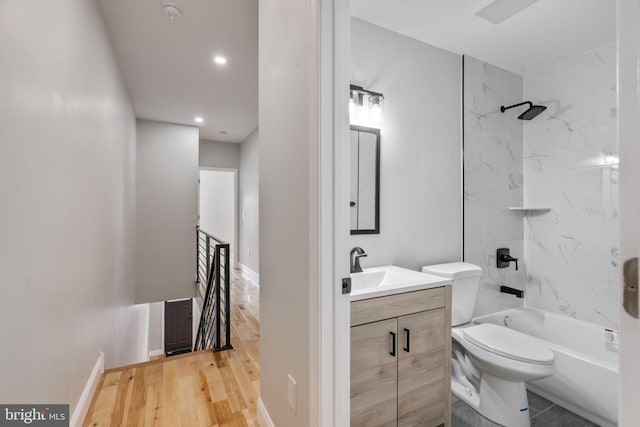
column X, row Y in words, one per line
column 389, row 280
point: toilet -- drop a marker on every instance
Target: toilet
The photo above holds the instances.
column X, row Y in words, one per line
column 490, row 363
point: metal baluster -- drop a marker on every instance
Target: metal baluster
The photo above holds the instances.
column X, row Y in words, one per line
column 198, row 254
column 227, row 298
column 208, row 253
column 217, row 290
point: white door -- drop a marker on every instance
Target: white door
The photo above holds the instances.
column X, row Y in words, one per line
column 217, row 202
column 629, row 141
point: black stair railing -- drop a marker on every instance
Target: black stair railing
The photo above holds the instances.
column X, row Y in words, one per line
column 213, row 270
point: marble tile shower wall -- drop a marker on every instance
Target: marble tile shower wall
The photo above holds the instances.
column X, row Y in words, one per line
column 493, row 180
column 572, row 252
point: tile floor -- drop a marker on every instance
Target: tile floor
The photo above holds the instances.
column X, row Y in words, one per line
column 544, row 413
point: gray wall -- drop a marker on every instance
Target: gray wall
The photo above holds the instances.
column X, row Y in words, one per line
column 249, row 203
column 287, row 54
column 420, row 204
column 492, row 180
column 67, row 189
column 572, row 251
column 166, row 210
column 216, row 154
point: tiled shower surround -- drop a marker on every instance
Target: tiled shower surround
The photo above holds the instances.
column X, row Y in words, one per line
column 492, row 180
column 564, row 162
column 570, row 166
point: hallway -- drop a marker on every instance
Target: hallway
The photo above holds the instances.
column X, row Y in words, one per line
column 195, row 389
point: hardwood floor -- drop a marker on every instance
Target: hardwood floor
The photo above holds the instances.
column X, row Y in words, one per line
column 195, row 389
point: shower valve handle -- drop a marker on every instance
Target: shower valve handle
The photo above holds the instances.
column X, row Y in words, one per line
column 503, row 258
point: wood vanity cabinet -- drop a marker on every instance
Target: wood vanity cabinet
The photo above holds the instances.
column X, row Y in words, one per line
column 401, row 359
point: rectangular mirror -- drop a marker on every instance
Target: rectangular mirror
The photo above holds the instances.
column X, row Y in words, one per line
column 365, row 180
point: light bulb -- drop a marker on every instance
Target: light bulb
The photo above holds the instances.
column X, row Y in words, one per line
column 376, row 114
column 375, row 110
column 611, row 160
column 352, row 109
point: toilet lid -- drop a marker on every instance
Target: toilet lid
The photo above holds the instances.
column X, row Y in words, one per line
column 509, row 343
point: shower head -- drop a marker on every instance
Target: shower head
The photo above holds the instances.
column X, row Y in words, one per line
column 529, row 113
column 532, row 112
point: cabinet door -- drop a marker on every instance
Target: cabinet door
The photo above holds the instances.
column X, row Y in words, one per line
column 374, row 374
column 423, row 379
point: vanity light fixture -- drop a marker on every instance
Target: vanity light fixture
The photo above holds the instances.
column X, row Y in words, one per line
column 366, row 108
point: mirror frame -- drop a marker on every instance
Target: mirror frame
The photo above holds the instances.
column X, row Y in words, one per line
column 376, row 132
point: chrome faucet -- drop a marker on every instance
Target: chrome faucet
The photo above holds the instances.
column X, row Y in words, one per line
column 356, row 254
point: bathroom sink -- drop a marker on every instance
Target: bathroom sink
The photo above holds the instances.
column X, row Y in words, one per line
column 389, row 280
column 367, row 279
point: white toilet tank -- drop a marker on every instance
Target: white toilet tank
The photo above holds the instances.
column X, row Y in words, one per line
column 465, row 279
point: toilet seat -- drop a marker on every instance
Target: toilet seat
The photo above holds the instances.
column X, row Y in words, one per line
column 508, row 343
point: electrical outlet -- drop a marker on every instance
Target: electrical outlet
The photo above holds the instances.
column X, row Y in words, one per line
column 292, row 393
column 249, row 252
column 244, row 214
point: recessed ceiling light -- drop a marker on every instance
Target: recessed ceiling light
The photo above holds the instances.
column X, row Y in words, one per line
column 172, row 11
column 198, row 120
column 220, row 60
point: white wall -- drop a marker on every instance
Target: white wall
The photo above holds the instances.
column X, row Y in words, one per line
column 287, row 52
column 166, row 211
column 420, row 181
column 217, row 154
column 218, row 204
column 249, row 203
column 67, row 191
column 156, row 326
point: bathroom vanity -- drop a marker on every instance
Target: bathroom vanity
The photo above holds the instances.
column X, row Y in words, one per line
column 400, row 349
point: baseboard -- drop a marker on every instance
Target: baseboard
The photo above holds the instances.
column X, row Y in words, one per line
column 80, row 412
column 249, row 274
column 264, row 420
column 153, row 353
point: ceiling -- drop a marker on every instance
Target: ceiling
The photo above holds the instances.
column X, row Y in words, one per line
column 168, row 67
column 545, row 33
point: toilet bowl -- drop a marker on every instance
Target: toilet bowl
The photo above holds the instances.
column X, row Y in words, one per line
column 506, row 360
column 490, row 363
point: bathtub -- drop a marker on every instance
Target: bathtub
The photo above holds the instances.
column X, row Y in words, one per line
column 586, row 361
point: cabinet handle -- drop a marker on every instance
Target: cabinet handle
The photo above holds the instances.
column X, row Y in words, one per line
column 393, row 344
column 407, row 334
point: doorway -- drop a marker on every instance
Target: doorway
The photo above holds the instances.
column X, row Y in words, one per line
column 178, row 327
column 217, row 206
